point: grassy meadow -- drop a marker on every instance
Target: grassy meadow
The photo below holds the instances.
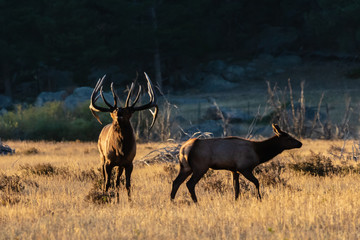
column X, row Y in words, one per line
column 48, row 191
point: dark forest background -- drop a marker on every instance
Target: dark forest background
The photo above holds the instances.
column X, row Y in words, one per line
column 59, row 44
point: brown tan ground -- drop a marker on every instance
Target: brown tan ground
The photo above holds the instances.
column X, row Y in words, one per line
column 312, row 208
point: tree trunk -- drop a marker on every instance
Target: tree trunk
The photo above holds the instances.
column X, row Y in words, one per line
column 157, row 62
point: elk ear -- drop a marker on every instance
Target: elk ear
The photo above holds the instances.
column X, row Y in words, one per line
column 276, row 129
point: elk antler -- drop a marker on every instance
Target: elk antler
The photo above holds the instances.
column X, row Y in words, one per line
column 95, row 96
column 98, row 92
column 149, row 105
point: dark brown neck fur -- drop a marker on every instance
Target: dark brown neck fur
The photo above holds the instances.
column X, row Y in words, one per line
column 123, row 137
column 268, row 149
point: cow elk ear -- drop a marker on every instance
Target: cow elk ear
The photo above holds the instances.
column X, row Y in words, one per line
column 276, row 130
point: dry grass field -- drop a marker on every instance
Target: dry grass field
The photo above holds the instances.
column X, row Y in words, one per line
column 47, row 192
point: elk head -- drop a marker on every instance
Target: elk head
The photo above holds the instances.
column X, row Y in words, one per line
column 286, row 141
column 122, row 114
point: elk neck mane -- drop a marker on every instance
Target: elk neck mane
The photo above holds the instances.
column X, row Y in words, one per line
column 267, row 149
column 122, row 129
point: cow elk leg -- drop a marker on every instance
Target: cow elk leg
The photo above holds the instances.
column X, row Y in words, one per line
column 178, row 181
column 250, row 176
column 195, row 178
column 236, row 184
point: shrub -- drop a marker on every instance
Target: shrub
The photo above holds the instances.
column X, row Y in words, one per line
column 42, row 169
column 47, row 169
column 11, row 187
column 303, row 120
column 319, row 165
column 49, row 122
column 30, row 151
column 53, row 122
column 270, row 174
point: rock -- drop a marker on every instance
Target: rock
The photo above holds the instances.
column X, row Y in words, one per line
column 5, row 101
column 3, row 111
column 216, row 67
column 214, row 83
column 81, row 95
column 5, row 149
column 234, row 73
column 44, row 97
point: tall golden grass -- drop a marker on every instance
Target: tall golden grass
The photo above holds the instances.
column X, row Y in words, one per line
column 55, row 206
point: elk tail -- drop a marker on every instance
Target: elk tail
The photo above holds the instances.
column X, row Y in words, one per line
column 185, row 152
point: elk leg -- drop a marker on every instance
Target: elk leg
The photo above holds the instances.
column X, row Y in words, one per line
column 195, row 178
column 250, row 176
column 236, row 184
column 118, row 175
column 108, row 169
column 119, row 172
column 104, row 176
column 128, row 171
column 103, row 172
column 178, row 181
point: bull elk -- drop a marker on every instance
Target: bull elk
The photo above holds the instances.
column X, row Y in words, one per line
column 231, row 153
column 116, row 142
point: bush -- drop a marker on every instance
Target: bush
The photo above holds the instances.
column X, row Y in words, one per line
column 53, row 122
column 319, row 165
column 11, row 188
column 303, row 120
column 49, row 122
column 47, row 169
column 270, row 174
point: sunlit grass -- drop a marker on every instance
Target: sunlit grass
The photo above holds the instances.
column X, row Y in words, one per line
column 54, row 206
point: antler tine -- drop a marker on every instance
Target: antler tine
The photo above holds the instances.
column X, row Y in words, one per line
column 129, row 95
column 137, row 97
column 114, row 94
column 154, row 114
column 94, row 97
column 104, row 99
column 150, row 89
column 152, row 102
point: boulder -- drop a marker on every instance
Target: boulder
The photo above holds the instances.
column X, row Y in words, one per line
column 81, row 95
column 3, row 111
column 216, row 67
column 5, row 149
column 214, row 83
column 234, row 73
column 44, row 97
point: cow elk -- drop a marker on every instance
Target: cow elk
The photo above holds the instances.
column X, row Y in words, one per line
column 116, row 142
column 235, row 154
